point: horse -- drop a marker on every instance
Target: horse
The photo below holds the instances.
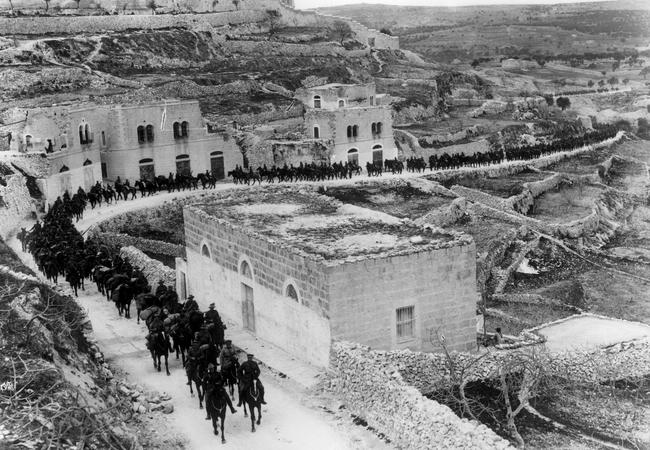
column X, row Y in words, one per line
column 182, row 340
column 113, row 282
column 143, row 301
column 122, row 296
column 215, row 406
column 159, row 346
column 252, row 399
column 195, row 370
column 229, row 376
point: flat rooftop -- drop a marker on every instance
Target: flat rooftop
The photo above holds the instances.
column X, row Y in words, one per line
column 321, row 227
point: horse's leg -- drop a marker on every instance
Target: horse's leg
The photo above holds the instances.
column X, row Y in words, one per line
column 259, row 414
column 245, row 410
column 166, row 365
column 153, row 356
column 223, row 419
column 201, row 394
column 252, row 408
column 214, row 425
column 158, row 356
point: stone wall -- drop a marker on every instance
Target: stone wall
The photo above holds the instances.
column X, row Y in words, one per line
column 440, row 285
column 302, row 327
column 144, row 245
column 152, row 269
column 64, row 25
column 374, row 389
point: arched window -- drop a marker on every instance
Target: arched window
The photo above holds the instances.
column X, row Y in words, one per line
column 141, row 135
column 341, row 103
column 82, row 135
column 177, row 130
column 373, row 128
column 185, row 129
column 245, row 270
column 355, row 131
column 146, row 161
column 379, row 126
column 87, row 162
column 205, row 251
column 64, row 168
column 377, row 147
column 317, row 101
column 28, row 140
column 349, row 131
column 89, row 137
column 182, row 157
column 103, row 138
column 316, row 132
column 149, row 133
column 292, row 293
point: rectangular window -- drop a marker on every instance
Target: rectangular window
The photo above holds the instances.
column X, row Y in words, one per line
column 405, row 323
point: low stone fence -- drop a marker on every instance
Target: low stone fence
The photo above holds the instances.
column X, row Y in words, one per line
column 523, row 202
column 152, row 269
column 373, row 388
column 142, row 244
column 442, row 217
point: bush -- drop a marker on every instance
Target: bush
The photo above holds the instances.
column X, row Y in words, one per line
column 563, row 102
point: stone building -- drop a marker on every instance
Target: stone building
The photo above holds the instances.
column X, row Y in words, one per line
column 85, row 144
column 300, row 269
column 354, row 117
column 67, row 138
column 143, row 141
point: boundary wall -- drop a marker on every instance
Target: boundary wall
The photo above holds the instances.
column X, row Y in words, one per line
column 374, row 389
column 152, row 269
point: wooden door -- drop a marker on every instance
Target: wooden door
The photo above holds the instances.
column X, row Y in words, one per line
column 378, row 158
column 248, row 307
column 217, row 167
column 183, row 167
column 147, row 172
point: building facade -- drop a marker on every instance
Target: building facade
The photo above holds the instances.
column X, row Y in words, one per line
column 66, row 137
column 145, row 141
column 277, row 266
column 88, row 144
column 354, row 117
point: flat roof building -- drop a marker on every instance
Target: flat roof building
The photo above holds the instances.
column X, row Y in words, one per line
column 299, row 270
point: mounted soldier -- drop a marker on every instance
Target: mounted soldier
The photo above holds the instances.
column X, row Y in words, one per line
column 249, row 373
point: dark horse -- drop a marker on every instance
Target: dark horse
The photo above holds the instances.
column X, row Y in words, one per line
column 159, row 346
column 229, row 376
column 122, row 296
column 216, row 404
column 252, row 399
column 195, row 369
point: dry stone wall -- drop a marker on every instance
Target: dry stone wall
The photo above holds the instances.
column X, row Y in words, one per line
column 145, row 245
column 152, row 269
column 374, row 389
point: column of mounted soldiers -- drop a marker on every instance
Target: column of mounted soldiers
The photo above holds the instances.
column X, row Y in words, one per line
column 210, row 362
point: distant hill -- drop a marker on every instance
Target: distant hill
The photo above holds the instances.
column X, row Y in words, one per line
column 444, row 34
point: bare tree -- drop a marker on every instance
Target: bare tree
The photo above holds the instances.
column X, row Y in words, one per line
column 236, row 3
column 47, row 5
column 341, row 31
column 272, row 21
column 152, row 5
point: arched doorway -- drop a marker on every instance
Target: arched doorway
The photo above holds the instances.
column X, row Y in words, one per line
column 353, row 156
column 378, row 155
column 147, row 170
column 217, row 166
column 183, row 165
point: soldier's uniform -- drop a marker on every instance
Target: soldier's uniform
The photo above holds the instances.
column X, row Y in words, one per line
column 249, row 373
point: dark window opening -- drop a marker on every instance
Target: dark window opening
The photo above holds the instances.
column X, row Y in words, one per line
column 185, row 129
column 141, row 135
column 177, row 130
column 316, row 133
column 149, row 133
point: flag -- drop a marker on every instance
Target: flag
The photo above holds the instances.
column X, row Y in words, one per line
column 164, row 117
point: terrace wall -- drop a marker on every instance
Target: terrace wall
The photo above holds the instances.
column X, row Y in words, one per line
column 17, row 204
column 301, row 328
column 440, row 285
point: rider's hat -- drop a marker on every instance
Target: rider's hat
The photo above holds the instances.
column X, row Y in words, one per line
column 211, row 305
column 190, row 297
column 249, row 355
column 228, row 341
